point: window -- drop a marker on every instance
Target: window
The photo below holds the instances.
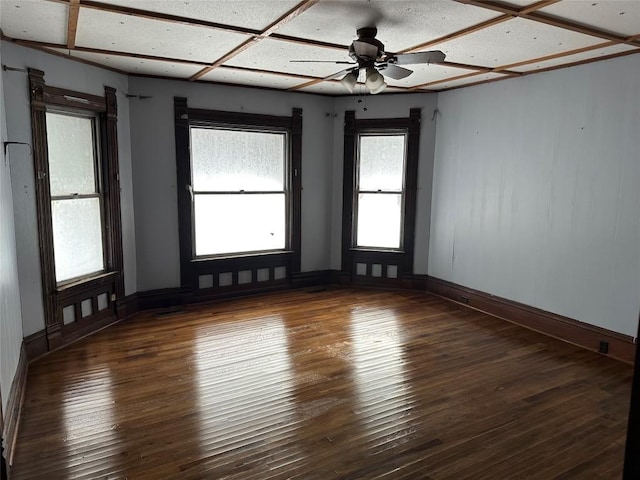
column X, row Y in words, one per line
column 239, row 190
column 380, row 190
column 78, row 206
column 76, row 200
column 238, row 198
column 379, row 197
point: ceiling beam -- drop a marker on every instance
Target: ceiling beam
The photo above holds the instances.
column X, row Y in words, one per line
column 555, row 55
column 99, row 51
column 72, row 22
column 547, row 19
column 137, row 12
column 287, row 17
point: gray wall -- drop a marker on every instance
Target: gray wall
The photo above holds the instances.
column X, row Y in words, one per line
column 10, row 314
column 75, row 76
column 387, row 106
column 537, row 191
column 154, row 169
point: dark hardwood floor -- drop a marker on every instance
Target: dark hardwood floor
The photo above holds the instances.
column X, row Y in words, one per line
column 323, row 384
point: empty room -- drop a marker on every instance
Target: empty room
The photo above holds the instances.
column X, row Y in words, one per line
column 319, row 239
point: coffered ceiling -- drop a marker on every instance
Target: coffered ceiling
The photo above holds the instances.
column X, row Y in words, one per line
column 252, row 42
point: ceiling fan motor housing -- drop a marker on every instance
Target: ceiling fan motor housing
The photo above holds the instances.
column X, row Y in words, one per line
column 367, row 35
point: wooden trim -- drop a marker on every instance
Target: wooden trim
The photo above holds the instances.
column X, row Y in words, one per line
column 411, row 189
column 14, row 405
column 127, row 306
column 537, row 6
column 162, row 298
column 181, row 119
column 621, row 347
column 352, row 128
column 287, row 17
column 55, row 297
column 72, row 22
column 190, row 268
column 36, row 344
column 295, row 240
column 311, row 279
column 348, row 185
column 111, row 167
column 529, row 13
column 137, row 12
column 631, row 457
column 553, row 56
column 548, row 69
column 43, row 203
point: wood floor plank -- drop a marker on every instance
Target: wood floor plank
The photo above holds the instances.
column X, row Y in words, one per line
column 339, row 383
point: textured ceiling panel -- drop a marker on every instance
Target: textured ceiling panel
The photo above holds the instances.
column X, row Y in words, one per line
column 275, row 55
column 600, row 52
column 401, row 23
column 240, row 13
column 466, row 81
column 616, row 16
column 125, row 33
column 138, row 65
column 36, row 21
column 513, row 41
column 256, row 79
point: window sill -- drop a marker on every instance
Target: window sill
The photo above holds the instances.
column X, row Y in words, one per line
column 233, row 256
column 377, row 250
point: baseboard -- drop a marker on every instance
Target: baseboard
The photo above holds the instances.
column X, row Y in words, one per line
column 14, row 405
column 36, row 345
column 406, row 282
column 161, row 298
column 127, row 306
column 311, row 279
column 620, row 347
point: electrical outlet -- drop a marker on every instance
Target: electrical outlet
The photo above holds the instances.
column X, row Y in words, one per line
column 113, row 297
column 464, row 300
column 604, row 347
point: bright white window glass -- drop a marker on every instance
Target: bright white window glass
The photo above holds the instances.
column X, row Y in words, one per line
column 239, row 223
column 381, row 162
column 233, row 160
column 77, row 237
column 70, row 143
column 379, row 220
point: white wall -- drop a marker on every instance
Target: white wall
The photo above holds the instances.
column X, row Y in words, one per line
column 387, row 106
column 154, row 168
column 10, row 314
column 75, row 76
column 537, row 191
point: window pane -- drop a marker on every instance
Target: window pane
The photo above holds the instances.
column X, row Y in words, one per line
column 239, row 223
column 231, row 160
column 379, row 220
column 77, row 237
column 71, row 154
column 381, row 162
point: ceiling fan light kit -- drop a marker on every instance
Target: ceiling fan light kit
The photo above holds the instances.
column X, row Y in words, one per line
column 374, row 82
column 349, row 80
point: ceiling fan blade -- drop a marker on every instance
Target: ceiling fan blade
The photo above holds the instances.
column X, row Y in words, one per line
column 338, row 62
column 435, row 56
column 364, row 49
column 392, row 71
column 341, row 73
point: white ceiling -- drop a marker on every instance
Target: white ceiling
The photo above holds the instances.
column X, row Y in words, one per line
column 251, row 42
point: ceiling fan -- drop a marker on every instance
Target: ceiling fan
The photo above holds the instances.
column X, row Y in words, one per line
column 369, row 55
